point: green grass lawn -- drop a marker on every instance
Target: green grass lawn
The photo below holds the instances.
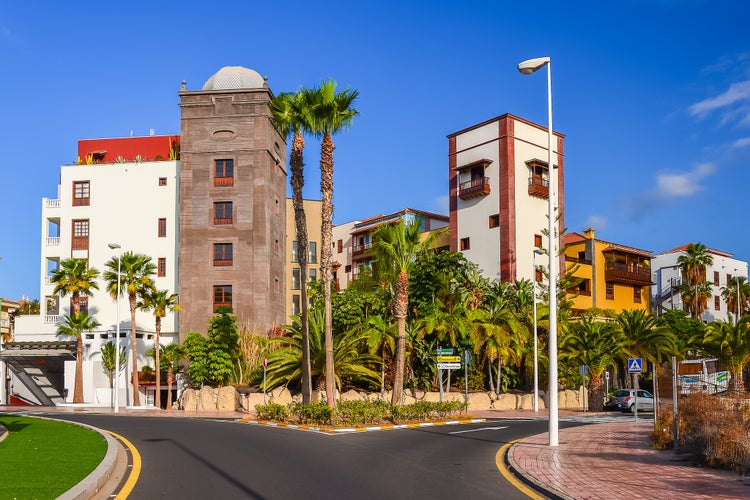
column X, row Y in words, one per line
column 44, row 458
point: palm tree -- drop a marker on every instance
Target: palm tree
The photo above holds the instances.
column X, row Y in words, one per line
column 290, row 113
column 171, row 355
column 730, row 341
column 72, row 326
column 136, row 280
column 396, row 249
column 284, row 364
column 160, row 302
column 108, row 360
column 736, row 295
column 696, row 297
column 595, row 344
column 693, row 265
column 331, row 112
column 75, row 278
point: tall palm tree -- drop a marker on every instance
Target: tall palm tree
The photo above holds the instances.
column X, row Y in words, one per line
column 73, row 325
column 643, row 339
column 160, row 302
column 136, row 281
column 74, row 277
column 730, row 341
column 291, row 115
column 693, row 265
column 171, row 355
column 331, row 112
column 109, row 354
column 696, row 296
column 736, row 295
column 595, row 344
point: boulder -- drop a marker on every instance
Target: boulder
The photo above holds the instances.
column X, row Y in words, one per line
column 207, row 399
column 479, row 401
column 227, row 399
column 255, row 399
column 189, row 400
column 350, row 395
column 506, row 402
column 525, row 402
column 281, row 395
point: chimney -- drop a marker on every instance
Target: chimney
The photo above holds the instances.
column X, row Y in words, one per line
column 588, row 233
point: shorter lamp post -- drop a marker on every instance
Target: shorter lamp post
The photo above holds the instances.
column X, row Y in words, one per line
column 537, row 251
column 116, row 402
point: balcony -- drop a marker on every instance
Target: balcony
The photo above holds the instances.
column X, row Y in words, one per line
column 577, row 260
column 474, row 188
column 223, row 181
column 51, row 319
column 621, row 272
column 80, row 243
column 538, row 186
column 220, row 221
column 360, row 249
column 223, row 262
column 53, row 241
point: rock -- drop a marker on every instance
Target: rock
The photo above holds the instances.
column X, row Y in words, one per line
column 207, row 399
column 281, row 395
column 350, row 395
column 525, row 402
column 189, row 400
column 255, row 399
column 479, row 401
column 227, row 399
column 506, row 402
column 316, row 396
column 406, row 399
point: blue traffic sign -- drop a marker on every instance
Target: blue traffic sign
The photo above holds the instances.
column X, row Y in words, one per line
column 635, row 365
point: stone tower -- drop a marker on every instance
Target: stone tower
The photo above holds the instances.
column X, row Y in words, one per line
column 232, row 203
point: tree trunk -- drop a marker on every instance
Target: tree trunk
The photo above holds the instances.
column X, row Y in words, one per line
column 499, row 375
column 400, row 306
column 300, row 221
column 596, row 394
column 170, row 376
column 157, row 399
column 326, row 190
column 78, row 387
column 134, row 352
column 490, row 377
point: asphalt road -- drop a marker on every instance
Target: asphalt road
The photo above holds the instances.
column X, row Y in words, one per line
column 213, row 459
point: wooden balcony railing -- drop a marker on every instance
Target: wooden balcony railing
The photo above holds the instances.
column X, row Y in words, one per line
column 223, row 262
column 629, row 274
column 223, row 181
column 218, row 221
column 81, row 202
column 576, row 260
column 221, row 304
column 538, row 186
column 80, row 243
column 360, row 249
column 474, row 188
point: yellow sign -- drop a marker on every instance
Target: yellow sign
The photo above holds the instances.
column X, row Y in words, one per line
column 449, row 359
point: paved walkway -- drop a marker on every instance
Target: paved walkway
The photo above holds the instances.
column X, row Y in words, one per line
column 609, row 460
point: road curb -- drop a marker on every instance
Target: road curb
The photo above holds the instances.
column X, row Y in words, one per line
column 92, row 484
column 352, row 430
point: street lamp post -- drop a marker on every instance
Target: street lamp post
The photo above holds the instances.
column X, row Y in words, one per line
column 527, row 67
column 116, row 403
column 537, row 251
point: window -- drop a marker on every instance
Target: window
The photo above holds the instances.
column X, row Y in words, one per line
column 222, row 296
column 81, row 193
column 539, row 275
column 296, row 281
column 80, row 234
column 348, row 269
column 83, row 304
column 313, row 253
column 716, row 278
column 538, row 240
column 162, row 181
column 296, row 301
column 313, row 274
column 610, row 290
column 717, row 303
column 729, row 279
column 162, row 228
column 494, row 220
column 637, row 294
column 223, row 212
column 223, row 172
column 223, row 254
column 339, row 246
column 465, row 244
column 161, row 268
column 294, row 252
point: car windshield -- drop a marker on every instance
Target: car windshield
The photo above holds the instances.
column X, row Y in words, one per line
column 622, row 393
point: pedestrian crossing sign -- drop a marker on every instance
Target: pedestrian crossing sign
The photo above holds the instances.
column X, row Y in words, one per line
column 635, row 365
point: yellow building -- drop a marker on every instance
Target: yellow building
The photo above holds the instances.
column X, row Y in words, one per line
column 293, row 278
column 608, row 275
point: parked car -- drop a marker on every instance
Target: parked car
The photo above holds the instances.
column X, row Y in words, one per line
column 624, row 400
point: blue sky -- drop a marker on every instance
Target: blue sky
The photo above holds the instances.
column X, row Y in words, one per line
column 653, row 97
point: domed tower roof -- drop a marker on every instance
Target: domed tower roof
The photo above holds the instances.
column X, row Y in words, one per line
column 234, row 77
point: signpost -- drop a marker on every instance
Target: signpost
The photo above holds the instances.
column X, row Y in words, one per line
column 635, row 366
column 446, row 360
column 583, row 370
column 265, row 366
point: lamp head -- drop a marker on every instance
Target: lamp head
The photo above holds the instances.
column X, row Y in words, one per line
column 530, row 65
column 113, row 246
column 538, row 251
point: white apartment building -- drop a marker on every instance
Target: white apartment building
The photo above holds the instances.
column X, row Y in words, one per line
column 667, row 278
column 499, row 185
column 127, row 203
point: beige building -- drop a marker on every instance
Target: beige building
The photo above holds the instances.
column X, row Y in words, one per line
column 293, row 278
column 231, row 203
column 7, row 307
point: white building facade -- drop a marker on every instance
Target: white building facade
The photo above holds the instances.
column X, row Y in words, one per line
column 667, row 277
column 499, row 186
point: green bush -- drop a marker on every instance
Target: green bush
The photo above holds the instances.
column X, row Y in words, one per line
column 272, row 411
column 316, row 413
column 361, row 412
